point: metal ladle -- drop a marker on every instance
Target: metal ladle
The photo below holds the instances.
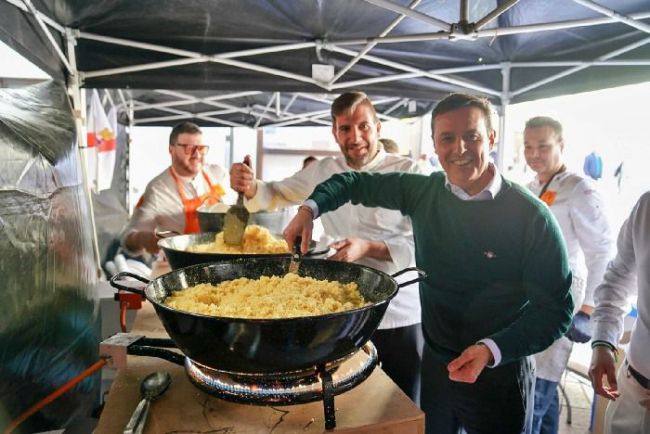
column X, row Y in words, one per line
column 151, row 387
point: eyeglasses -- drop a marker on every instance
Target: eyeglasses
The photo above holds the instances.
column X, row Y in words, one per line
column 189, row 149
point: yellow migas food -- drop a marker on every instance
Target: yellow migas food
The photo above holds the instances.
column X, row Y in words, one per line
column 257, row 239
column 288, row 296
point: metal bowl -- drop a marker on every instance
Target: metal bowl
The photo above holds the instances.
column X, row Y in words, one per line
column 211, row 218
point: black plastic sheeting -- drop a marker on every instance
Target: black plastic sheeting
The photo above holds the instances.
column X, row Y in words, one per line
column 49, row 315
column 212, row 27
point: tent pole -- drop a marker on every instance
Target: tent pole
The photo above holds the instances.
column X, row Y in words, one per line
column 615, row 15
column 443, row 25
column 79, row 106
column 268, row 105
column 455, row 81
column 259, row 163
column 285, row 111
column 50, row 38
column 371, row 45
column 491, row 33
column 505, row 101
column 186, row 116
column 501, row 9
column 315, row 119
column 580, row 68
column 231, row 148
column 464, row 11
column 128, row 150
column 192, row 100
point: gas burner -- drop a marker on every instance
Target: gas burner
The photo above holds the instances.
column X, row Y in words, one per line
column 321, row 382
column 276, row 389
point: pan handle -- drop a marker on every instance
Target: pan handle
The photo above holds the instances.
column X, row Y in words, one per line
column 123, row 274
column 421, row 276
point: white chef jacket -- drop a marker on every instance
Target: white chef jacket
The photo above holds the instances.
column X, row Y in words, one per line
column 627, row 274
column 357, row 221
column 579, row 210
column 161, row 208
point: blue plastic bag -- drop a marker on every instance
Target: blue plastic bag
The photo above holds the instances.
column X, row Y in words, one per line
column 593, row 166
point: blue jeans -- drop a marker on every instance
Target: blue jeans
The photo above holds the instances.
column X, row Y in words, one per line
column 546, row 415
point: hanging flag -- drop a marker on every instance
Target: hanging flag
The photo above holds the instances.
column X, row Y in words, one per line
column 101, row 144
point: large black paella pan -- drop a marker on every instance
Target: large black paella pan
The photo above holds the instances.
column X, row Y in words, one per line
column 270, row 345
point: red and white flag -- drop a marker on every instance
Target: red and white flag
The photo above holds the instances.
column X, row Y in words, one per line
column 102, row 141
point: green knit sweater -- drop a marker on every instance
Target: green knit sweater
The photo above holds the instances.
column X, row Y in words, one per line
column 495, row 269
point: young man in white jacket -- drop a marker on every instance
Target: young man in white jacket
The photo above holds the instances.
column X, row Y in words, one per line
column 379, row 238
column 579, row 209
column 629, row 273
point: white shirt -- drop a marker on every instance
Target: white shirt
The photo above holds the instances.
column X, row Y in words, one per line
column 357, row 221
column 161, row 206
column 628, row 273
column 579, row 210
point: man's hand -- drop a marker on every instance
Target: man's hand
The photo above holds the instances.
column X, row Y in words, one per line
column 353, row 249
column 242, row 178
column 349, row 249
column 468, row 366
column 603, row 365
column 301, row 225
column 139, row 240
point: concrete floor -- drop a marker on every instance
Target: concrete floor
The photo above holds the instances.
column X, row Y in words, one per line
column 580, row 395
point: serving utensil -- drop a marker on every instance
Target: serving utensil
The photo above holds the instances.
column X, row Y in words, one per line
column 151, row 387
column 236, row 220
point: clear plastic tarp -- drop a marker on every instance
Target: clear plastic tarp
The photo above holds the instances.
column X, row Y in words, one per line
column 49, row 316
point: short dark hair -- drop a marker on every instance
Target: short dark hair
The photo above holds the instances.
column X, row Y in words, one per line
column 456, row 101
column 183, row 128
column 308, row 159
column 347, row 102
column 545, row 121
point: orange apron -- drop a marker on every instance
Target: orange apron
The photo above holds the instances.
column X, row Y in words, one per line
column 212, row 196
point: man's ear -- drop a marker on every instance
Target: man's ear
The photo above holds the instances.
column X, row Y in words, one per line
column 378, row 124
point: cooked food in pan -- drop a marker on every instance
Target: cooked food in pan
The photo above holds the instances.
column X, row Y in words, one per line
column 289, row 296
column 257, row 239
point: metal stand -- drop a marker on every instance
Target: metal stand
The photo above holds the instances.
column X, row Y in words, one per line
column 328, row 398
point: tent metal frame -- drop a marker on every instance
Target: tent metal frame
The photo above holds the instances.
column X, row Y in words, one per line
column 449, row 31
column 462, row 30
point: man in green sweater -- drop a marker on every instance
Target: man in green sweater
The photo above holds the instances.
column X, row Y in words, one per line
column 498, row 280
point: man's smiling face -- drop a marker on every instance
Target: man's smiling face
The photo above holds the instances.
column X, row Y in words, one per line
column 357, row 134
column 463, row 143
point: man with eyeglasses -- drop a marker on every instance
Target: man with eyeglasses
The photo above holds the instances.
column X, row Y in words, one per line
column 170, row 200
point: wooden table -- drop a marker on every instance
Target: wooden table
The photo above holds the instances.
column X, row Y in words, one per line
column 376, row 406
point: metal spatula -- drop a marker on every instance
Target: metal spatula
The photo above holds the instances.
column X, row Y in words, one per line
column 235, row 221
